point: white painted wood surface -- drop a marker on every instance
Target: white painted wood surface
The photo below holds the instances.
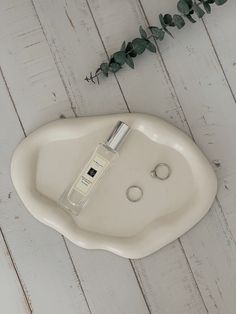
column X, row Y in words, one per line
column 47, row 47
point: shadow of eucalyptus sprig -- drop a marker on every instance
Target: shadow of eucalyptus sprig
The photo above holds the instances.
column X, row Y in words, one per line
column 187, row 9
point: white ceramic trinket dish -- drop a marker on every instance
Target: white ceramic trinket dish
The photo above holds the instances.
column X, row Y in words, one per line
column 49, row 158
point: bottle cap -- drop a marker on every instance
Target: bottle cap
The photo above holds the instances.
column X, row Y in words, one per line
column 119, row 132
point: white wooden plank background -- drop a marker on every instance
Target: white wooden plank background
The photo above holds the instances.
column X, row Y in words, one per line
column 47, row 47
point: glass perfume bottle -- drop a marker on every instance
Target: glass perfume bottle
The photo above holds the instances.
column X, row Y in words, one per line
column 77, row 194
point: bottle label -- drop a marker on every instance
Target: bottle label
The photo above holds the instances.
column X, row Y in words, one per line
column 91, row 174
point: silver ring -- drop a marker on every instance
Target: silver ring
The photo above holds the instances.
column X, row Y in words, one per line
column 154, row 172
column 136, row 189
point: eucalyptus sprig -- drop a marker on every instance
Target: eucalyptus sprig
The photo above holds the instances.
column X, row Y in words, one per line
column 187, row 9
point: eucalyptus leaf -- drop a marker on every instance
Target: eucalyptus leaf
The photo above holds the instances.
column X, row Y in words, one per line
column 162, row 35
column 129, row 50
column 207, row 7
column 190, row 18
column 119, row 57
column 162, row 21
column 157, row 32
column 139, row 45
column 129, row 61
column 142, row 32
column 220, row 2
column 179, row 21
column 168, row 20
column 114, row 67
column 133, row 54
column 190, row 2
column 104, row 68
column 129, row 47
column 122, row 48
column 183, row 7
column 198, row 10
column 151, row 47
column 187, row 8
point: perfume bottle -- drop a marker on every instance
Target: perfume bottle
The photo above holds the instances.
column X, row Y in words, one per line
column 77, row 194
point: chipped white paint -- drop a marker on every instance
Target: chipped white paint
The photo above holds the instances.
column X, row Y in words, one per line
column 51, row 280
column 46, row 11
column 11, row 289
column 195, row 275
column 210, row 110
column 40, row 257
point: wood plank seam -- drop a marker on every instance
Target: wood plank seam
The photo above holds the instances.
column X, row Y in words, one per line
column 189, row 129
column 35, row 256
column 169, row 76
column 12, row 101
column 76, row 274
column 220, row 221
column 67, row 250
column 103, row 44
column 73, row 109
column 230, row 88
column 186, row 125
column 167, row 73
column 4, row 238
column 68, row 94
column 140, row 285
column 182, row 117
column 191, row 271
column 55, row 61
column 59, row 72
column 219, row 61
column 133, row 280
column 27, row 298
column 225, row 220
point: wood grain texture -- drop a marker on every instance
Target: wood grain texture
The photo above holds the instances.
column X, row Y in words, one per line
column 190, row 84
column 48, row 262
column 189, row 296
column 121, row 283
column 43, row 265
column 168, row 283
column 201, row 87
column 222, row 32
column 209, row 69
column 28, row 65
column 10, row 280
column 10, row 287
column 76, row 47
column 42, row 261
column 108, row 282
